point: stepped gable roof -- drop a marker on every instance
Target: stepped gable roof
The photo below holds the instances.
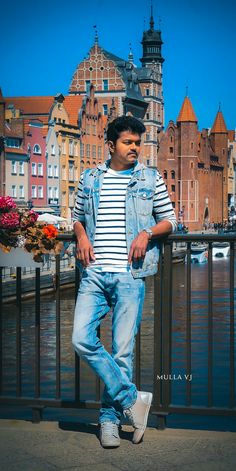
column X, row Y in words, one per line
column 219, row 125
column 128, row 73
column 31, row 105
column 72, row 104
column 187, row 113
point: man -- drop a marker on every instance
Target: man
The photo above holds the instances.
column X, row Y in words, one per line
column 121, row 210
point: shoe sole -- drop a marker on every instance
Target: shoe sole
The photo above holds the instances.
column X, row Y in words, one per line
column 140, row 436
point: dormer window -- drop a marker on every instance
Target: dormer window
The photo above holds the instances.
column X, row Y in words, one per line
column 13, row 142
column 37, row 149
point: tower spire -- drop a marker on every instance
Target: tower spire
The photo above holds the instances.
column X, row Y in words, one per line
column 96, row 35
column 131, row 56
column 151, row 18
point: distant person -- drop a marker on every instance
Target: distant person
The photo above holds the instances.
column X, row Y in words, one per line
column 121, row 210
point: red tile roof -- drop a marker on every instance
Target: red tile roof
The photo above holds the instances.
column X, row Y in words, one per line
column 72, row 104
column 219, row 125
column 31, row 104
column 187, row 113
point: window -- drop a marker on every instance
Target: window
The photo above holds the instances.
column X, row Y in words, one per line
column 52, row 149
column 37, row 149
column 99, row 152
column 191, row 164
column 105, row 109
column 76, row 149
column 81, row 150
column 105, row 84
column 33, row 169
column 94, row 152
column 13, row 167
column 147, row 136
column 63, row 172
column 165, row 174
column 88, row 129
column 63, row 198
column 147, row 92
column 94, row 129
column 191, row 145
column 147, row 115
column 87, row 150
column 172, row 187
column 13, row 191
column 71, row 197
column 21, row 168
column 50, row 192
column 10, row 142
column 171, row 150
column 76, row 174
column 63, row 147
column 87, row 86
column 71, row 147
column 173, row 204
column 71, row 172
column 40, row 170
column 33, row 191
column 172, row 174
column 21, row 191
column 40, row 191
column 148, row 161
column 49, row 170
column 55, row 192
column 191, row 184
column 56, row 171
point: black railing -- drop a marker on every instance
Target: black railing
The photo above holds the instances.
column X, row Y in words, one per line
column 164, row 343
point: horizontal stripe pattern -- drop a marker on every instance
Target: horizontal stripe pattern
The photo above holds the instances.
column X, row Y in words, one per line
column 110, row 238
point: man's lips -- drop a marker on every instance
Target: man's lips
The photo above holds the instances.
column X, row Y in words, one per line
column 132, row 153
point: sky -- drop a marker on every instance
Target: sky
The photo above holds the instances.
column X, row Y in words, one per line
column 42, row 42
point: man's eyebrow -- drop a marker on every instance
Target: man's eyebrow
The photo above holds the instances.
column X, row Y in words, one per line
column 131, row 140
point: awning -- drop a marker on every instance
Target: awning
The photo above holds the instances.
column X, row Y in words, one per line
column 44, row 210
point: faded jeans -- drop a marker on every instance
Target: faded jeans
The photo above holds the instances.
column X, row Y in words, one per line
column 99, row 291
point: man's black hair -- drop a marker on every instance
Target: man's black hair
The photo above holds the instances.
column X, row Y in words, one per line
column 124, row 123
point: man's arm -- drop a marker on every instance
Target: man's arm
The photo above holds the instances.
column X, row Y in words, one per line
column 139, row 245
column 84, row 249
column 165, row 217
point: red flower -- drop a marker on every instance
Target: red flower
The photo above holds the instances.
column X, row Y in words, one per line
column 9, row 220
column 50, row 231
column 6, row 203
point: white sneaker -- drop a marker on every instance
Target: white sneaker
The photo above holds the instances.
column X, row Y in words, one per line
column 138, row 414
column 109, row 435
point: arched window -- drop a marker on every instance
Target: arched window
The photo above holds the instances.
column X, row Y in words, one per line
column 172, row 174
column 165, row 174
column 37, row 149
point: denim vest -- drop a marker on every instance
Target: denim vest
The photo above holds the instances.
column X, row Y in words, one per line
column 138, row 208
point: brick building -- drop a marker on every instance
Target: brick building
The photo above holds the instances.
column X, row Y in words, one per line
column 121, row 87
column 195, row 167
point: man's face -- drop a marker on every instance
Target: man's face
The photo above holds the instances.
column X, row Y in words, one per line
column 125, row 151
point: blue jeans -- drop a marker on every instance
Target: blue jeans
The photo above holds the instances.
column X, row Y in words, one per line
column 98, row 292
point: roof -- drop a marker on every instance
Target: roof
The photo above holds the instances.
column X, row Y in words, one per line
column 15, row 150
column 12, row 133
column 187, row 113
column 219, row 125
column 72, row 104
column 31, row 105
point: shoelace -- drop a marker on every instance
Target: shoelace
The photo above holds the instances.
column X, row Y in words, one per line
column 108, row 428
column 128, row 413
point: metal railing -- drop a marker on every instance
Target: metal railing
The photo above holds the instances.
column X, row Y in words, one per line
column 163, row 399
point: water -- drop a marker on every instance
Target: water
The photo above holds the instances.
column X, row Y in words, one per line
column 199, row 335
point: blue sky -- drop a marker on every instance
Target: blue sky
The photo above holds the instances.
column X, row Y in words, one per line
column 43, row 41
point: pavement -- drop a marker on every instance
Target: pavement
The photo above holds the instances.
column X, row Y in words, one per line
column 68, row 446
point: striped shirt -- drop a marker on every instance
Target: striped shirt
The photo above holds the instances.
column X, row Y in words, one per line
column 110, row 246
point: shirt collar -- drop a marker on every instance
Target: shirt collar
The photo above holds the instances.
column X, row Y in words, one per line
column 104, row 167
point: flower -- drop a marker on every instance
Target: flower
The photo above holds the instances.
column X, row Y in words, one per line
column 19, row 228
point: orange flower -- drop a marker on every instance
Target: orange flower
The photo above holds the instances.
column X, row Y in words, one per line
column 50, row 231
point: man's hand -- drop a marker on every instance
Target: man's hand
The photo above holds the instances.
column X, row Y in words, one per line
column 138, row 247
column 84, row 250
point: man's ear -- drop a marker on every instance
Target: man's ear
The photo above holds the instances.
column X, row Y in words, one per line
column 111, row 146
